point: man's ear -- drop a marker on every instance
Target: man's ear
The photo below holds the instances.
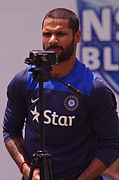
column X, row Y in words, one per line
column 78, row 36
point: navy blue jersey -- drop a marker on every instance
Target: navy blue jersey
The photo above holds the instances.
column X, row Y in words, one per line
column 77, row 129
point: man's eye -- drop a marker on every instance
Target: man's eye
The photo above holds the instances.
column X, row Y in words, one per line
column 47, row 34
column 60, row 34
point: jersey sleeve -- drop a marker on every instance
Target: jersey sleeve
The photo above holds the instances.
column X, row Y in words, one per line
column 15, row 112
column 104, row 121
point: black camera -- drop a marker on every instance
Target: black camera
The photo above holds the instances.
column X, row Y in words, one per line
column 41, row 57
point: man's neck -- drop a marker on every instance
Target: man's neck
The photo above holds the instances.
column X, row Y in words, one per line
column 63, row 68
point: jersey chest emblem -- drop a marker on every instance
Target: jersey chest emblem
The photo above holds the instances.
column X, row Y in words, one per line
column 71, row 102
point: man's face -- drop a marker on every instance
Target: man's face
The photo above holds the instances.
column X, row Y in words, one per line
column 58, row 37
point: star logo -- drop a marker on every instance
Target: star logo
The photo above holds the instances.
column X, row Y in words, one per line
column 71, row 103
column 35, row 114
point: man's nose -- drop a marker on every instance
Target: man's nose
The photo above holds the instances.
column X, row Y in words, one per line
column 53, row 39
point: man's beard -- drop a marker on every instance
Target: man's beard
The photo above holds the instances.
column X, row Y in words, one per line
column 65, row 54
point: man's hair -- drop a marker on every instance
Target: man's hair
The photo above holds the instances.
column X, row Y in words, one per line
column 62, row 13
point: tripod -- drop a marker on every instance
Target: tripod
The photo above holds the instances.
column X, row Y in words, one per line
column 41, row 157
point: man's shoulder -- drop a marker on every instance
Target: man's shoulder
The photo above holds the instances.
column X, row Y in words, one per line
column 21, row 75
column 99, row 85
column 101, row 92
column 18, row 80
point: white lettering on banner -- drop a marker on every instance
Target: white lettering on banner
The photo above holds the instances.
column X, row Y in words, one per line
column 55, row 120
column 91, row 58
column 108, row 66
column 102, row 29
column 117, row 21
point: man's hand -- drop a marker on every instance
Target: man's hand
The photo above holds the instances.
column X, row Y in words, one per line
column 26, row 172
column 36, row 174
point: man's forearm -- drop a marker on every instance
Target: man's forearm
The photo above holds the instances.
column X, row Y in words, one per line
column 16, row 149
column 95, row 169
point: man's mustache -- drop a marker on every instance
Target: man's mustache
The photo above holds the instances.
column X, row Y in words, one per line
column 54, row 47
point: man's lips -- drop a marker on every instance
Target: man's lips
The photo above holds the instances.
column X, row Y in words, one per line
column 54, row 48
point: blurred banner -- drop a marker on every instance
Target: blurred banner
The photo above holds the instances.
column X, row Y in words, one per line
column 99, row 49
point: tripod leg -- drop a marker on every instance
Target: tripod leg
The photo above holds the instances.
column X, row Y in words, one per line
column 33, row 165
column 45, row 167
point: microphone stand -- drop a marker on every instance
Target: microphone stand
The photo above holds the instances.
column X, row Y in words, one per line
column 41, row 158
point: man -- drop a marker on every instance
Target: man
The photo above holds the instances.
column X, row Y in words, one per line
column 82, row 132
